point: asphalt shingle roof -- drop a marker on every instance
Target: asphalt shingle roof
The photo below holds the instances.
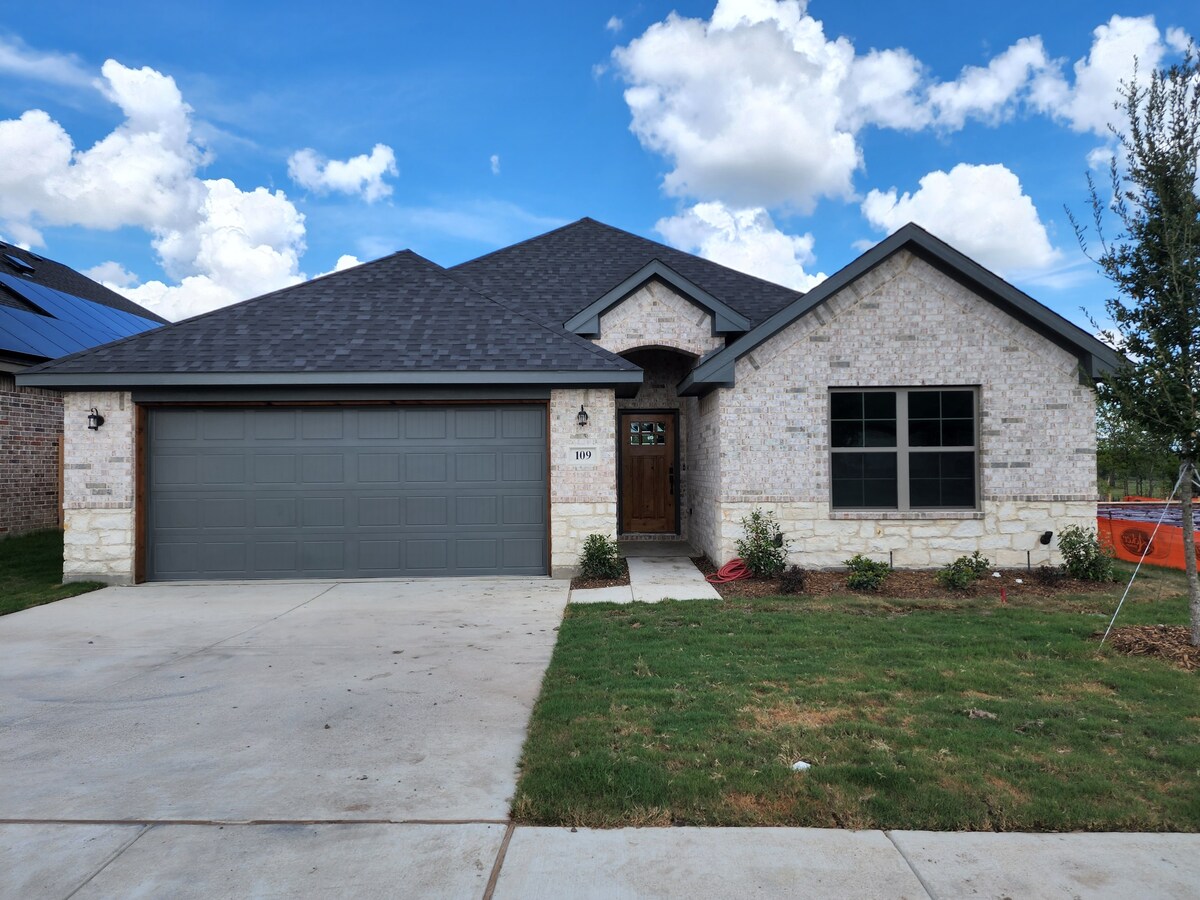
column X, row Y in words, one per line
column 51, row 274
column 399, row 313
column 555, row 275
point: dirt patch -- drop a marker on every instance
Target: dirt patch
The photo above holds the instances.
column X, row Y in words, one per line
column 904, row 584
column 757, row 808
column 768, row 718
column 579, row 583
column 1170, row 642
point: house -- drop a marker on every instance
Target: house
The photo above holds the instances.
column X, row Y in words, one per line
column 400, row 418
column 47, row 310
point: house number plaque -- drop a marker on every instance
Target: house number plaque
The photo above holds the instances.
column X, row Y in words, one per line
column 582, row 456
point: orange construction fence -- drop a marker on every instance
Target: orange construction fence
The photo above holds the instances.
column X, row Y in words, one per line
column 1130, row 537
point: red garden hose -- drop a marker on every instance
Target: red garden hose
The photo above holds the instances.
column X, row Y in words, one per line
column 731, row 571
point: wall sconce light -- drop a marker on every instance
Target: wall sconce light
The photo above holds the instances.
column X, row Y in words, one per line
column 1045, row 538
column 95, row 420
column 582, row 418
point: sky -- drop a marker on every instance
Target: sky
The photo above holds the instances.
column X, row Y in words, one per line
column 194, row 155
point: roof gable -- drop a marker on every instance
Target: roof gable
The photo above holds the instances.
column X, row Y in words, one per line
column 1095, row 357
column 725, row 320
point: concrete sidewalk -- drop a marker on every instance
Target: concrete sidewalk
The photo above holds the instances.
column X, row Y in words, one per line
column 488, row 860
column 653, row 578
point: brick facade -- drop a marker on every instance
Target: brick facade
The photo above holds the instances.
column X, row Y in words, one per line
column 904, row 324
column 656, row 316
column 583, row 498
column 31, row 424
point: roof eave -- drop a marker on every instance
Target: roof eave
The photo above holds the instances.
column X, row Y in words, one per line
column 123, row 380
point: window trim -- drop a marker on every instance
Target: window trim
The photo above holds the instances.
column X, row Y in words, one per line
column 902, row 448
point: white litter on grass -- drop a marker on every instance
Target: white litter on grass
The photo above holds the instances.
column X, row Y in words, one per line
column 995, row 574
column 800, row 765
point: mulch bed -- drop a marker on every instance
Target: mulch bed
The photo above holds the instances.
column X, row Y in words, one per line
column 1171, row 642
column 908, row 584
column 580, row 583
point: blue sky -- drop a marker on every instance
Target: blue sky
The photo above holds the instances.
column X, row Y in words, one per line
column 776, row 137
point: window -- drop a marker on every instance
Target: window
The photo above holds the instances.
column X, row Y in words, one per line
column 905, row 449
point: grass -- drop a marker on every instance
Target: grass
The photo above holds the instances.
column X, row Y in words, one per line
column 693, row 712
column 31, row 572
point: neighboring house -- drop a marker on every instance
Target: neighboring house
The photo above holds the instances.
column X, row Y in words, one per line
column 399, row 418
column 47, row 310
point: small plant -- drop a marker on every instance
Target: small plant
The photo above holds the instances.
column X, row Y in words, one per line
column 1085, row 556
column 793, row 580
column 866, row 574
column 961, row 573
column 599, row 558
column 763, row 549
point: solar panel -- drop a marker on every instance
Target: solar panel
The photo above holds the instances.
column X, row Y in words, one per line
column 34, row 335
column 108, row 323
column 19, row 263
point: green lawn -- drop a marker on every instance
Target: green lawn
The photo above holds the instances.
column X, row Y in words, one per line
column 31, row 572
column 693, row 712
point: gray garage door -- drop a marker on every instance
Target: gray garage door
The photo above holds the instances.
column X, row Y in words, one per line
column 317, row 492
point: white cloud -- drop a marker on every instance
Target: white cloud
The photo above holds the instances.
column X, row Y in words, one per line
column 112, row 274
column 979, row 209
column 219, row 243
column 495, row 161
column 16, row 58
column 990, row 92
column 360, row 175
column 345, row 261
column 743, row 239
column 1087, row 104
column 756, row 106
column 614, row 24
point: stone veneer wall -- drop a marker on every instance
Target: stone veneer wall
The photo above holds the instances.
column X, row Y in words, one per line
column 656, row 316
column 583, row 499
column 905, row 324
column 704, row 475
column 31, row 422
column 98, row 488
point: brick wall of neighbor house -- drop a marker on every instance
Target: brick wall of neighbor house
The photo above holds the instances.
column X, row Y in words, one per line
column 905, row 324
column 582, row 497
column 656, row 316
column 98, row 489
column 30, row 427
column 663, row 370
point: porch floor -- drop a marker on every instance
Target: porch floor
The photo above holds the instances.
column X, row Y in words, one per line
column 654, row 549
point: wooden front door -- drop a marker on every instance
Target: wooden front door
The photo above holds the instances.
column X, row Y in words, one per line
column 649, row 472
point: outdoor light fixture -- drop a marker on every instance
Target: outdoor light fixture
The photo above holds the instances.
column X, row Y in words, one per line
column 1045, row 538
column 582, row 418
column 95, row 420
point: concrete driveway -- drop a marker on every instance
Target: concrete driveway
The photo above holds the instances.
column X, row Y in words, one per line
column 300, row 706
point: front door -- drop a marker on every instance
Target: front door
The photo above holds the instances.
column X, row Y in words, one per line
column 648, row 472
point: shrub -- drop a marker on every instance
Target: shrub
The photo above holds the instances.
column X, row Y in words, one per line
column 793, row 580
column 866, row 574
column 1085, row 556
column 599, row 558
column 961, row 573
column 763, row 549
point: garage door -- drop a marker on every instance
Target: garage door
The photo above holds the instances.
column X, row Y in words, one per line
column 317, row 492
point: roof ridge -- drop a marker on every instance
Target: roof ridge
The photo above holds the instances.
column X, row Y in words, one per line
column 774, row 284
column 527, row 240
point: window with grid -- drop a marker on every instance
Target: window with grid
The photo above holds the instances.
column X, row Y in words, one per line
column 903, row 449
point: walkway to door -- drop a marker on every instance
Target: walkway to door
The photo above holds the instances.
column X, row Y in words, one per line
column 658, row 570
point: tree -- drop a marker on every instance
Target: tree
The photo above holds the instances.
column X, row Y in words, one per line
column 1154, row 263
column 1129, row 461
